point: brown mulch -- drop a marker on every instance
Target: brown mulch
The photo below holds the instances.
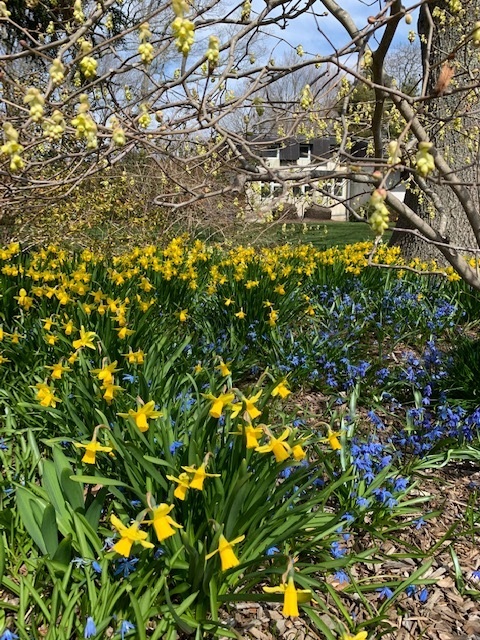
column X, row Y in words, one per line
column 452, row 609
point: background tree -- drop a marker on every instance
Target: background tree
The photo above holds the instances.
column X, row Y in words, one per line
column 80, row 95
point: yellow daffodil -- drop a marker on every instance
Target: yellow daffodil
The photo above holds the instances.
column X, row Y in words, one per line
column 183, row 315
column 73, row 357
column 183, row 482
column 280, row 449
column 105, row 374
column 46, row 395
column 227, row 555
column 241, row 315
column 110, row 391
column 91, row 448
column 3, row 360
column 48, row 323
column 281, row 390
column 218, row 403
column 228, row 302
column 223, row 368
column 199, row 476
column 135, row 357
column 250, row 407
column 332, row 439
column 58, row 370
column 24, row 300
column 142, row 415
column 123, row 332
column 298, row 452
column 51, row 339
column 128, row 536
column 197, row 368
column 291, row 596
column 85, row 340
column 69, row 328
column 361, row 635
column 162, row 522
column 251, row 434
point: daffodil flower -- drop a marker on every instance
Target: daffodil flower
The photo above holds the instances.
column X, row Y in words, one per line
column 280, row 449
column 361, row 635
column 143, row 414
column 291, row 596
column 218, row 402
column 199, row 476
column 227, row 555
column 46, row 395
column 91, row 448
column 250, row 407
column 183, row 482
column 332, row 439
column 109, row 391
column 128, row 536
column 105, row 374
column 58, row 370
column 281, row 390
column 298, row 452
column 251, row 434
column 85, row 340
column 162, row 522
column 223, row 368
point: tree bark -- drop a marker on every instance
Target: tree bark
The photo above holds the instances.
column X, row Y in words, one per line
column 448, row 115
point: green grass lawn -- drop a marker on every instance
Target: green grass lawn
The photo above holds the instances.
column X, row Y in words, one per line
column 321, row 234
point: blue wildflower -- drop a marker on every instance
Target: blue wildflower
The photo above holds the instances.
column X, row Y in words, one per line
column 336, row 550
column 125, row 566
column 125, row 628
column 173, row 448
column 96, row 567
column 79, row 563
column 127, row 377
column 271, row 551
column 3, row 446
column 476, row 574
column 341, row 577
column 419, row 523
column 410, row 590
column 423, row 595
column 8, row 635
column 384, row 593
column 90, row 628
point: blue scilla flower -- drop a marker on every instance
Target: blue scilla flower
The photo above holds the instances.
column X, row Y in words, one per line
column 8, row 635
column 173, row 448
column 125, row 566
column 90, row 628
column 341, row 577
column 336, row 550
column 79, row 563
column 96, row 567
column 410, row 590
column 423, row 595
column 3, row 446
column 476, row 574
column 384, row 593
column 125, row 628
column 271, row 551
column 128, row 377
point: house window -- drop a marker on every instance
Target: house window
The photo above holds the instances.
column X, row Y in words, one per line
column 305, row 151
column 272, row 152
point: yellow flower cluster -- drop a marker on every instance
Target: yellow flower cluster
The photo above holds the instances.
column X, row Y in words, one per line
column 85, row 126
column 12, row 147
column 145, row 48
column 183, row 29
column 379, row 217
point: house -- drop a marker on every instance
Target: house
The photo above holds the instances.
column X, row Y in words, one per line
column 313, row 181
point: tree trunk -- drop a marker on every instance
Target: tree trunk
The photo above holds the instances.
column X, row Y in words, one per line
column 448, row 115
